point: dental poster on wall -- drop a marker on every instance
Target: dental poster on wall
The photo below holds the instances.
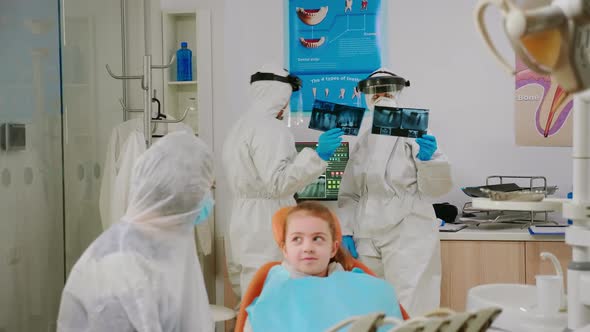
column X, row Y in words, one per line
column 332, row 45
column 543, row 110
column 335, row 88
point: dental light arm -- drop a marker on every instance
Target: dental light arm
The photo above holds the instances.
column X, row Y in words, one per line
column 555, row 40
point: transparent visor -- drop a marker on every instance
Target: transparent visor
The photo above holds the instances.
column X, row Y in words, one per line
column 376, row 89
column 293, row 112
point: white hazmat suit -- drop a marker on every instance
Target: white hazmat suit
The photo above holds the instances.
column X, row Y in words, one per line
column 384, row 201
column 142, row 274
column 264, row 171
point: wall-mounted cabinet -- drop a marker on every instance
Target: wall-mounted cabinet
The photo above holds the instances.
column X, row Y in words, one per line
column 193, row 27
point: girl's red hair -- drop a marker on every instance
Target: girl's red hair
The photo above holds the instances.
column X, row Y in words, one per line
column 280, row 223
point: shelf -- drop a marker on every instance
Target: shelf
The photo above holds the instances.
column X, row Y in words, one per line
column 182, row 82
column 193, row 26
column 548, row 204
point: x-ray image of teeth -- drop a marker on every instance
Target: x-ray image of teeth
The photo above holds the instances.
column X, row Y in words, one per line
column 415, row 119
column 326, row 92
column 387, row 118
column 404, row 122
column 326, row 115
column 342, row 92
column 315, row 190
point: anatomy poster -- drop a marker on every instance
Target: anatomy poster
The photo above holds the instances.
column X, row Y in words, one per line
column 332, row 45
column 543, row 110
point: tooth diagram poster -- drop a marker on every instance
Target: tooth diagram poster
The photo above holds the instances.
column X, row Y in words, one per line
column 543, row 110
column 332, row 45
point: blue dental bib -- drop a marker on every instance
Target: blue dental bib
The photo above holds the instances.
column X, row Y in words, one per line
column 315, row 304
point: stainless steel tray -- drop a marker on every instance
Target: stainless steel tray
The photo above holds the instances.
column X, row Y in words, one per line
column 517, row 196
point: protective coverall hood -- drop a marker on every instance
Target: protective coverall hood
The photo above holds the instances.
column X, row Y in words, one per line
column 169, row 181
column 270, row 97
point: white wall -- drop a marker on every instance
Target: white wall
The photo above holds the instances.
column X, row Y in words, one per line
column 253, row 36
column 435, row 45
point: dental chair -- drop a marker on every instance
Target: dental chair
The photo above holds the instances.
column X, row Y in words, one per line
column 255, row 288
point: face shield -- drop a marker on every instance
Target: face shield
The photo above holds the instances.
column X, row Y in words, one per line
column 382, row 88
column 292, row 80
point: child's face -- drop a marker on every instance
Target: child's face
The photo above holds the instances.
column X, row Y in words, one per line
column 308, row 244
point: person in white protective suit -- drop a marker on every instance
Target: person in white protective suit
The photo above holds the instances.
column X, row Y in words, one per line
column 126, row 144
column 384, row 202
column 142, row 274
column 264, row 171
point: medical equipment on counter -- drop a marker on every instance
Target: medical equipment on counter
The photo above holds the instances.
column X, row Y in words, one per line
column 509, row 187
column 548, row 230
column 517, row 196
column 554, row 39
column 451, row 228
column 508, row 202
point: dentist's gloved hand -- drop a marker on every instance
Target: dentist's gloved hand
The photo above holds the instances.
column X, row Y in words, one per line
column 328, row 142
column 348, row 243
column 427, row 147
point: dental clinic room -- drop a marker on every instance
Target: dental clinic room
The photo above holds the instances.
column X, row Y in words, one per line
column 294, row 165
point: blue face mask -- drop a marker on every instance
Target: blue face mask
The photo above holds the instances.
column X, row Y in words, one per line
column 206, row 208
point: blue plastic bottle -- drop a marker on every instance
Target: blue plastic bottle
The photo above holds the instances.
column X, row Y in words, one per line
column 570, row 195
column 184, row 66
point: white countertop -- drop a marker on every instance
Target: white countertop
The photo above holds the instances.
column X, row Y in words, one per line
column 497, row 232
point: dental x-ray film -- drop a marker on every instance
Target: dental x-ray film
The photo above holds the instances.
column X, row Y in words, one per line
column 326, row 115
column 399, row 121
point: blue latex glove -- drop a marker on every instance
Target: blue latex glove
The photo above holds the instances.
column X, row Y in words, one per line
column 427, row 147
column 348, row 243
column 328, row 142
